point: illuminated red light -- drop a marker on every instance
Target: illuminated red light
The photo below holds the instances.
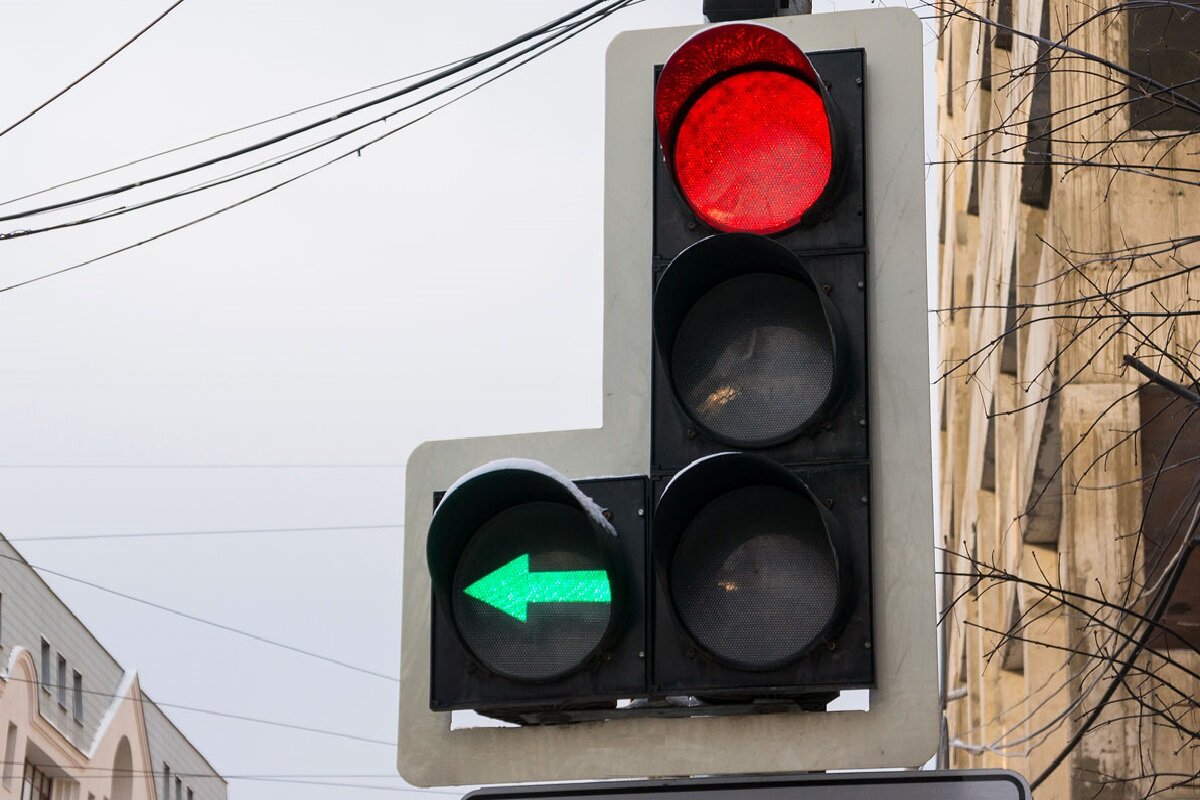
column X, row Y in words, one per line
column 746, row 132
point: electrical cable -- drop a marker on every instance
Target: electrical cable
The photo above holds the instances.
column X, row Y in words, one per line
column 559, row 35
column 230, row 132
column 221, row 531
column 450, row 71
column 222, row 714
column 314, row 779
column 91, row 71
column 218, row 625
column 83, row 537
column 201, row 466
column 54, row 273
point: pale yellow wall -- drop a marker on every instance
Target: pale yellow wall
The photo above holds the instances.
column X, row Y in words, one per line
column 1001, row 717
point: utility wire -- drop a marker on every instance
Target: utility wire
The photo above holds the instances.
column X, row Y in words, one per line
column 314, row 779
column 230, row 132
column 596, row 17
column 201, row 466
column 410, row 88
column 83, row 537
column 218, row 625
column 556, row 37
column 222, row 714
column 91, row 71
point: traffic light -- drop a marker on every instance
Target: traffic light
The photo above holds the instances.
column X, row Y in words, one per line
column 538, row 593
column 759, row 450
column 760, row 557
column 749, row 531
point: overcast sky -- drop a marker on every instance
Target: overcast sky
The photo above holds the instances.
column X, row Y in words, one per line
column 273, row 367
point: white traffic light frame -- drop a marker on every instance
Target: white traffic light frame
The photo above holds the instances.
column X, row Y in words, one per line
column 902, row 726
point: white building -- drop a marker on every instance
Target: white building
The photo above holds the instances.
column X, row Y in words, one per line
column 74, row 724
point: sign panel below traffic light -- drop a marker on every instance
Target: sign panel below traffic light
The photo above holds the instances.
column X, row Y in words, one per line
column 969, row 784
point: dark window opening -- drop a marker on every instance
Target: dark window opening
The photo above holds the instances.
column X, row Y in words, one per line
column 1004, row 21
column 988, row 482
column 942, row 211
column 62, row 680
column 976, row 577
column 76, row 695
column 1043, row 511
column 1170, row 438
column 36, row 785
column 1012, row 652
column 46, row 678
column 1035, row 173
column 985, row 41
column 1163, row 47
column 1008, row 345
column 973, row 192
column 950, row 78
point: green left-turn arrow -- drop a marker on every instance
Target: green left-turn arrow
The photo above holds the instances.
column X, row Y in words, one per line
column 512, row 587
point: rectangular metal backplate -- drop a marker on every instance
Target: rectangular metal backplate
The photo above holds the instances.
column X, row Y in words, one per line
column 932, row 785
column 901, row 727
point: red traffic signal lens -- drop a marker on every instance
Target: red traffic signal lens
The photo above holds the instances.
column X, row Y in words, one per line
column 753, row 153
column 745, row 129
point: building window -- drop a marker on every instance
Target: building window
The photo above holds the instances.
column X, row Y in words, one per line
column 46, row 675
column 77, row 695
column 1004, row 23
column 178, row 789
column 10, row 754
column 62, row 680
column 1035, row 172
column 166, row 792
column 1170, row 439
column 189, row 792
column 36, row 785
column 1162, row 47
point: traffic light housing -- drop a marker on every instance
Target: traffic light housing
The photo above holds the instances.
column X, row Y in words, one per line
column 537, row 591
column 876, row 446
column 759, row 319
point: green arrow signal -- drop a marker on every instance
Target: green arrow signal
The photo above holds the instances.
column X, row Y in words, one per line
column 512, row 587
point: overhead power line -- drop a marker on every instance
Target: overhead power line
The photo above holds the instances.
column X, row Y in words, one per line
column 201, row 466
column 218, row 625
column 83, row 537
column 223, row 134
column 311, row 779
column 557, row 39
column 228, row 715
column 92, row 71
column 440, row 75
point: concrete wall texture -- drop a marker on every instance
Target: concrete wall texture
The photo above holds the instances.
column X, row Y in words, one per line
column 1066, row 242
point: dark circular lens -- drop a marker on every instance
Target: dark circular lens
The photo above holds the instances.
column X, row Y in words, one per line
column 754, row 359
column 754, row 577
column 532, row 592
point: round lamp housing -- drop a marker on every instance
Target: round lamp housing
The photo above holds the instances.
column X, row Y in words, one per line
column 527, row 570
column 753, row 565
column 748, row 129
